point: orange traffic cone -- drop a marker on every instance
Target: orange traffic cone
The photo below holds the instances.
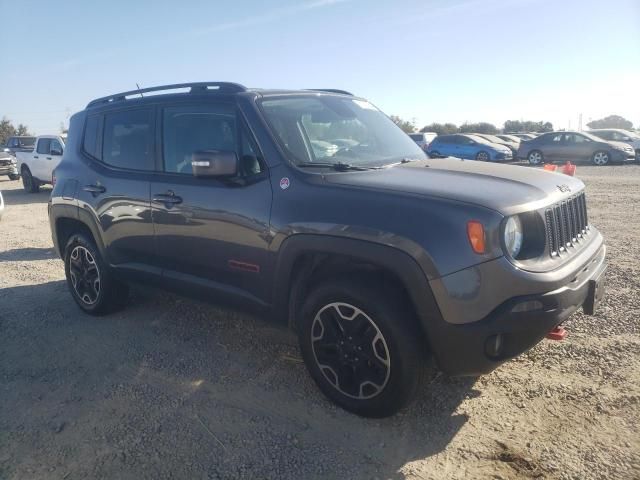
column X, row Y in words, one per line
column 569, row 169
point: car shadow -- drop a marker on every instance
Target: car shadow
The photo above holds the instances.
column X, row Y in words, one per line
column 27, row 254
column 20, row 197
column 223, row 385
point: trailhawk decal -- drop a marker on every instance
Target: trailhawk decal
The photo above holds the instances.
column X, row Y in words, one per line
column 284, row 183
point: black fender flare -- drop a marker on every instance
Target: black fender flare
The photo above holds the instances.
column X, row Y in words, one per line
column 73, row 212
column 396, row 261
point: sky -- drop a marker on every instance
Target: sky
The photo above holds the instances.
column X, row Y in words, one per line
column 428, row 60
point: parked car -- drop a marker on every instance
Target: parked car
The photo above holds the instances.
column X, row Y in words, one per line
column 470, row 147
column 509, row 138
column 19, row 144
column 524, row 136
column 8, row 166
column 619, row 135
column 423, row 139
column 36, row 166
column 377, row 261
column 576, row 147
column 510, row 144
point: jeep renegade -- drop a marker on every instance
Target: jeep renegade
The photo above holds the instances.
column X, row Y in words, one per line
column 314, row 209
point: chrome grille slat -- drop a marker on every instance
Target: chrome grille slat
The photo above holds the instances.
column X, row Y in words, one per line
column 565, row 224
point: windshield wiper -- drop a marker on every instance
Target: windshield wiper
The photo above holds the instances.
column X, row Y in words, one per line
column 338, row 166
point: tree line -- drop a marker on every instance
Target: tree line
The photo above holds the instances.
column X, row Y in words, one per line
column 409, row 126
column 8, row 129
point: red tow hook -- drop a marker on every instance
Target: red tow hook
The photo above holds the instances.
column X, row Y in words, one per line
column 557, row 333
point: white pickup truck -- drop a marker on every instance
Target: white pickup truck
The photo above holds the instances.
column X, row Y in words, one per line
column 36, row 167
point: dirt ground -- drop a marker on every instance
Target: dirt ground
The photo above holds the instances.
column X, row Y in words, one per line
column 172, row 388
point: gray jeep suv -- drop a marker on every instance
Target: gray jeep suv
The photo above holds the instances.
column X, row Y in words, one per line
column 380, row 258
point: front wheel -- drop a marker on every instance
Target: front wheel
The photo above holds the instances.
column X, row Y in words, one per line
column 482, row 156
column 362, row 347
column 434, row 154
column 90, row 282
column 535, row 157
column 29, row 183
column 600, row 158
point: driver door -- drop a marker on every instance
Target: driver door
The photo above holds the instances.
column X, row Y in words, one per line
column 211, row 234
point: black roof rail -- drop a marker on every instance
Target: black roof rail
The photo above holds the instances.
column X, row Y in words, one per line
column 331, row 90
column 199, row 87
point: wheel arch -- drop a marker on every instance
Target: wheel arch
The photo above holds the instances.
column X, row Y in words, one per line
column 307, row 259
column 66, row 221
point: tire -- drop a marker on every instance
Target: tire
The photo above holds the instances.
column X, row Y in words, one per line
column 482, row 156
column 382, row 348
column 434, row 154
column 29, row 183
column 14, row 176
column 83, row 267
column 601, row 158
column 535, row 157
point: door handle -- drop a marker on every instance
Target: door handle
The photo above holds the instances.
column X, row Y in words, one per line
column 94, row 189
column 167, row 198
column 36, row 156
column 48, row 158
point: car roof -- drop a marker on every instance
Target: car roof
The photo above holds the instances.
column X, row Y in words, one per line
column 184, row 90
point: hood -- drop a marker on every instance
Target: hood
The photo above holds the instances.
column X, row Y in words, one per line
column 623, row 145
column 507, row 189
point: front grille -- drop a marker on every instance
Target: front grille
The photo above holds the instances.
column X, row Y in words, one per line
column 566, row 224
column 5, row 161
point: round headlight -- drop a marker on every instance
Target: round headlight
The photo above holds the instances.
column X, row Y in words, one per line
column 513, row 236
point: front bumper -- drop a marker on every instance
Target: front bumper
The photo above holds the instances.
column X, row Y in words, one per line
column 9, row 169
column 507, row 331
column 503, row 157
column 622, row 157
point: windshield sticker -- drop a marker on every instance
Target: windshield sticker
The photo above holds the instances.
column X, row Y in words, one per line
column 364, row 104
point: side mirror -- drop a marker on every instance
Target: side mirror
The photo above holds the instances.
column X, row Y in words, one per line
column 214, row 163
column 55, row 151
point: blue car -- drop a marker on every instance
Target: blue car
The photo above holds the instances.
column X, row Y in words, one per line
column 468, row 146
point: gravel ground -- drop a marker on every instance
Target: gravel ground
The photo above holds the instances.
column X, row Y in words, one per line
column 171, row 388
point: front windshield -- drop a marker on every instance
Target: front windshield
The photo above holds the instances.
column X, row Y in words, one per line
column 330, row 129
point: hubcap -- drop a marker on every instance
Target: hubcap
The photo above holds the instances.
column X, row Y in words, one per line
column 350, row 350
column 85, row 275
column 535, row 158
column 601, row 158
column 483, row 156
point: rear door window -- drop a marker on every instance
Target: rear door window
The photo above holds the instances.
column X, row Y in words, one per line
column 128, row 139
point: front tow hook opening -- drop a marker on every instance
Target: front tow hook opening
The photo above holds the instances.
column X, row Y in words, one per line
column 558, row 333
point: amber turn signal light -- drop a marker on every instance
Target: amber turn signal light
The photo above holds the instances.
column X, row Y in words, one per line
column 475, row 232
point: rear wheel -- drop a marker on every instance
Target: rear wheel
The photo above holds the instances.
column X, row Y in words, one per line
column 482, row 156
column 90, row 282
column 600, row 158
column 362, row 347
column 29, row 183
column 535, row 157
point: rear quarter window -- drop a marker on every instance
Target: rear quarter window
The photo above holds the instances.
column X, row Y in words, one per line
column 90, row 142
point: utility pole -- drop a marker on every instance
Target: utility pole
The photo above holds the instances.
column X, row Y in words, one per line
column 580, row 122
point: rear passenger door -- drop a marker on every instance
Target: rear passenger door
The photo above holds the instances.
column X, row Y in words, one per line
column 115, row 187
column 212, row 234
